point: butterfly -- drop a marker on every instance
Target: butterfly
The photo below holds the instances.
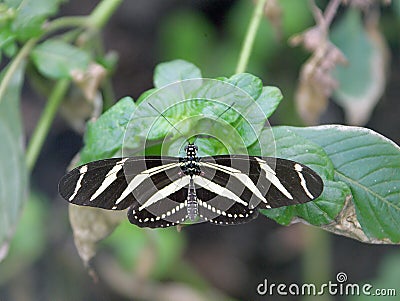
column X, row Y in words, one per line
column 163, row 191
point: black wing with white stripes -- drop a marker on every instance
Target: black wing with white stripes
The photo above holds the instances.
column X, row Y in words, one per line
column 263, row 182
column 114, row 183
column 165, row 191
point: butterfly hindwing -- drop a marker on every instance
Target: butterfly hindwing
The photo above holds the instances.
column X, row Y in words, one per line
column 221, row 210
column 164, row 213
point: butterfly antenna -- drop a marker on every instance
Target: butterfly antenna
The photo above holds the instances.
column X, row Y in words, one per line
column 227, row 109
column 159, row 112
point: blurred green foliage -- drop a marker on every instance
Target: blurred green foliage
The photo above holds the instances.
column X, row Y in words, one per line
column 132, row 244
column 30, row 238
column 386, row 279
column 191, row 36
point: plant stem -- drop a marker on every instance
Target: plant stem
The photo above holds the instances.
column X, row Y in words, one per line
column 250, row 36
column 64, row 22
column 43, row 126
column 316, row 260
column 22, row 54
column 97, row 19
column 102, row 13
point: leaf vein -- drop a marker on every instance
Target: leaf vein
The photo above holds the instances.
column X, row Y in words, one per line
column 375, row 194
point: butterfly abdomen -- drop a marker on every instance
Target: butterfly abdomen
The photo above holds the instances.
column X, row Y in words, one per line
column 192, row 204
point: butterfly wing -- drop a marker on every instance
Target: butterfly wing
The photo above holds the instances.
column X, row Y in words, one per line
column 162, row 208
column 221, row 210
column 263, row 182
column 117, row 183
column 229, row 189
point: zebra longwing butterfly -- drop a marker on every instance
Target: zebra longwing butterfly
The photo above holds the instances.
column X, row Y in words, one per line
column 164, row 191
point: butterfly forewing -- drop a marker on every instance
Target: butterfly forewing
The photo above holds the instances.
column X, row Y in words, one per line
column 113, row 183
column 264, row 182
column 301, row 182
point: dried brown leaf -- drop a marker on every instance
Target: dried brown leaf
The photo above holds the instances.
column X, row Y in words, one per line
column 84, row 100
column 311, row 102
column 316, row 82
column 346, row 224
column 90, row 225
column 89, row 80
column 77, row 109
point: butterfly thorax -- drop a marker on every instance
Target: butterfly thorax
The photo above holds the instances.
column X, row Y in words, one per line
column 190, row 166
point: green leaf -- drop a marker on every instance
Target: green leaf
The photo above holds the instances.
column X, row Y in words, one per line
column 249, row 83
column 57, row 59
column 191, row 104
column 186, row 103
column 7, row 42
column 10, row 49
column 291, row 146
column 370, row 165
column 267, row 103
column 173, row 71
column 269, row 99
column 144, row 95
column 104, row 137
column 13, row 171
column 252, row 121
column 30, row 15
